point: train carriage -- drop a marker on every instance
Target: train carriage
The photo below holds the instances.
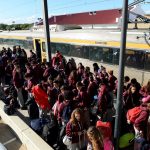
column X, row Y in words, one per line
column 94, row 45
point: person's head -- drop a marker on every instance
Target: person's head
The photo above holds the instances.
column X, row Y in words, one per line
column 57, row 53
column 80, row 65
column 67, row 96
column 87, row 69
column 79, row 85
column 126, row 79
column 34, row 63
column 73, row 74
column 148, row 106
column 133, row 81
column 111, row 72
column 9, row 62
column 105, row 128
column 60, row 98
column 31, row 51
column 91, row 79
column 69, row 65
column 148, row 86
column 18, row 69
column 50, row 80
column 76, row 115
column 27, row 65
column 63, row 88
column 95, row 138
column 47, row 64
column 56, row 83
column 133, row 89
column 104, row 70
column 85, row 82
column 102, row 88
column 28, row 76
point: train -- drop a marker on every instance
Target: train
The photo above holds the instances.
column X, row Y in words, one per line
column 100, row 45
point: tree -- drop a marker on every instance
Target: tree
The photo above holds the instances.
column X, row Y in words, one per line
column 3, row 26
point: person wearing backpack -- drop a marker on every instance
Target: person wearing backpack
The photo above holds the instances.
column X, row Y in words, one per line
column 139, row 118
column 66, row 108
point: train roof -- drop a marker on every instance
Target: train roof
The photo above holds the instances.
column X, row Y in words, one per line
column 99, row 36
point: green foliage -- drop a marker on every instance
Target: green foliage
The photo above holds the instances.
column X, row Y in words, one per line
column 15, row 26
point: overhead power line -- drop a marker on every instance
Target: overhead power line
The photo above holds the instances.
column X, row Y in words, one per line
column 81, row 4
column 64, row 3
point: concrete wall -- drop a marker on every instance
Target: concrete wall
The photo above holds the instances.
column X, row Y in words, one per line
column 26, row 135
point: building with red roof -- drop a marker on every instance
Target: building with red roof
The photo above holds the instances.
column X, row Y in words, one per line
column 93, row 19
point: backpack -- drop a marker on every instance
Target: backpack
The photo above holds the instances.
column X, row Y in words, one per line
column 9, row 110
column 141, row 144
column 133, row 113
column 50, row 132
column 66, row 113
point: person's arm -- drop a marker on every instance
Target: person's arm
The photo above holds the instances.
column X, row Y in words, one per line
column 68, row 129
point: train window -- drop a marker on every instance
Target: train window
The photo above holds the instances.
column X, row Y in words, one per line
column 53, row 47
column 63, row 48
column 130, row 58
column 116, row 56
column 96, row 53
column 108, row 55
column 76, row 50
column 135, row 59
column 25, row 44
column 85, row 52
column 147, row 61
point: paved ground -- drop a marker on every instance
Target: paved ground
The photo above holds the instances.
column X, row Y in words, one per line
column 6, row 134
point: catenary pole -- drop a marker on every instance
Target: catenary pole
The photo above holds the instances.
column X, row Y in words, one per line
column 121, row 73
column 46, row 31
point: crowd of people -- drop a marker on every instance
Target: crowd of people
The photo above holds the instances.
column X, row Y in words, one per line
column 70, row 106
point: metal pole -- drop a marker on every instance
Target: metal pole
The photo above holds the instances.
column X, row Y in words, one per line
column 46, row 31
column 121, row 74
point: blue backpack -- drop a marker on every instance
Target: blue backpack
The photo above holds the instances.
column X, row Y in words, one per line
column 66, row 113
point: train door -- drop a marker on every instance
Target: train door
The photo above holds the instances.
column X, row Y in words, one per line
column 43, row 51
column 38, row 48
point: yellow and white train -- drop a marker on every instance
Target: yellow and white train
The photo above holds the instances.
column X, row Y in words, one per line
column 93, row 45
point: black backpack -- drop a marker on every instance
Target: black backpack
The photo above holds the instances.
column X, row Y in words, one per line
column 9, row 110
column 145, row 145
column 33, row 109
column 50, row 131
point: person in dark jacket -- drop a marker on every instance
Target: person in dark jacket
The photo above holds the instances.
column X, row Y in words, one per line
column 18, row 83
column 8, row 72
column 131, row 98
column 92, row 88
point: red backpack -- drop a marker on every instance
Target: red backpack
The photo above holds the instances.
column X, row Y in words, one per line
column 133, row 113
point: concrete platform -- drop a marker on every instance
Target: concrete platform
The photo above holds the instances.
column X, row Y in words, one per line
column 29, row 139
column 8, row 137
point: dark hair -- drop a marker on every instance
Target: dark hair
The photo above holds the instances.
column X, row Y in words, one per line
column 126, row 78
column 133, row 81
column 79, row 84
column 28, row 75
column 50, row 78
column 91, row 78
column 64, row 87
column 47, row 64
column 67, row 95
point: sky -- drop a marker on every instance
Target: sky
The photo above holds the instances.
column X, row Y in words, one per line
column 27, row 11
